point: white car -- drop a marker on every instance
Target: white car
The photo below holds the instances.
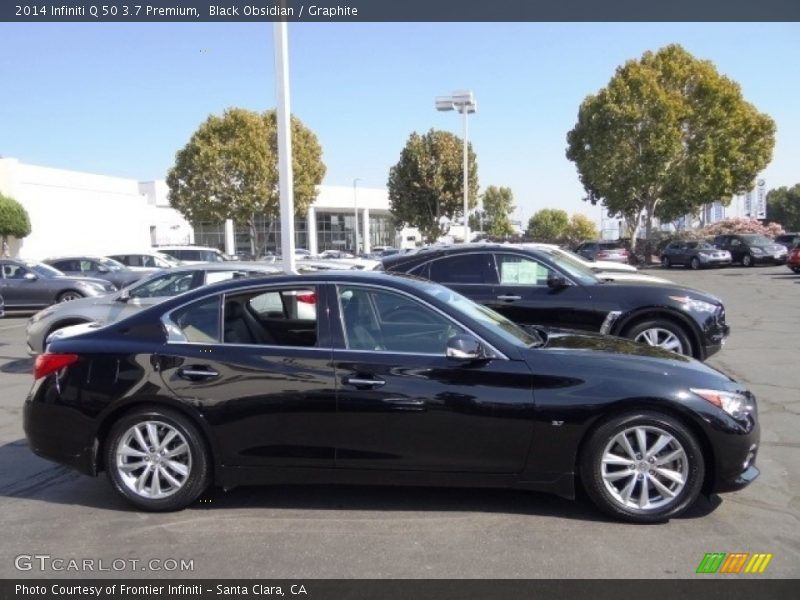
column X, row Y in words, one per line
column 192, row 255
column 145, row 261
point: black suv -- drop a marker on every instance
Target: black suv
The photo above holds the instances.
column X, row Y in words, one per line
column 751, row 248
column 541, row 287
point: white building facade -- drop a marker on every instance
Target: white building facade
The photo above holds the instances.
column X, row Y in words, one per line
column 81, row 213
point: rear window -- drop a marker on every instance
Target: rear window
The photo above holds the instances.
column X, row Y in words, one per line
column 611, row 245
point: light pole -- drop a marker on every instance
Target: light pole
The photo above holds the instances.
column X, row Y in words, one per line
column 464, row 102
column 355, row 210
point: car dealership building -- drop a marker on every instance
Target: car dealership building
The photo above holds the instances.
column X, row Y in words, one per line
column 81, row 213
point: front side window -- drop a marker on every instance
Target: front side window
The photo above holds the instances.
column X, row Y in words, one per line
column 170, row 284
column 375, row 319
column 12, row 271
column 519, row 270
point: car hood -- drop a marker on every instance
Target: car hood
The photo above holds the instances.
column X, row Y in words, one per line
column 656, row 289
column 609, row 265
column 770, row 248
column 626, row 356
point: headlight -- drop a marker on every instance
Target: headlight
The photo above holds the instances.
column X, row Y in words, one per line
column 690, row 303
column 736, row 405
column 756, row 251
column 98, row 287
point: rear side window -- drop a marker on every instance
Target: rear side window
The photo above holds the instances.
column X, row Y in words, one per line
column 464, row 269
column 196, row 322
column 67, row 265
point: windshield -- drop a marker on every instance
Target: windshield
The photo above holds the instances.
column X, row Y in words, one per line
column 44, row 270
column 701, row 245
column 112, row 264
column 165, row 260
column 211, row 256
column 501, row 326
column 573, row 267
column 758, row 240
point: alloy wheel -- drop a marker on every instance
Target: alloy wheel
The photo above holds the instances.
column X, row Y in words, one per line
column 644, row 468
column 69, row 296
column 663, row 338
column 153, row 459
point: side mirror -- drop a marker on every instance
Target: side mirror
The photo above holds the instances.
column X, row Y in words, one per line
column 556, row 282
column 124, row 296
column 30, row 277
column 465, row 348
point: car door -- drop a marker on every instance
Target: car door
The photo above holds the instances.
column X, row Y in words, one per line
column 524, row 295
column 402, row 404
column 21, row 287
column 271, row 399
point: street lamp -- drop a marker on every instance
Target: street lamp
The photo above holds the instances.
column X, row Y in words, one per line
column 464, row 102
column 355, row 210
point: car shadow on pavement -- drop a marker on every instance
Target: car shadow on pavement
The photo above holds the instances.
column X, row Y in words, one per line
column 33, row 478
column 16, row 365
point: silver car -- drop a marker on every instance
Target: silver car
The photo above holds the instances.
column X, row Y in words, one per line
column 140, row 295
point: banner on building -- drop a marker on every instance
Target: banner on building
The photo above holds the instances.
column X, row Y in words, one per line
column 761, row 203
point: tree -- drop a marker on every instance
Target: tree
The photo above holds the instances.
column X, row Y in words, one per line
column 783, row 206
column 229, row 170
column 427, row 183
column 498, row 205
column 548, row 225
column 14, row 220
column 580, row 228
column 668, row 131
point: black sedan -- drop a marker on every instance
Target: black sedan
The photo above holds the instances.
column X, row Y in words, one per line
column 28, row 285
column 545, row 287
column 389, row 379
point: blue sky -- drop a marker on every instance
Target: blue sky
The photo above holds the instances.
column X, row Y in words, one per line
column 121, row 99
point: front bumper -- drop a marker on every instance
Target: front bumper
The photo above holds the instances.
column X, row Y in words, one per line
column 769, row 259
column 736, row 450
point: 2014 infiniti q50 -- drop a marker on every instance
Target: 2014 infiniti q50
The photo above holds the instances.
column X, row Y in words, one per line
column 378, row 378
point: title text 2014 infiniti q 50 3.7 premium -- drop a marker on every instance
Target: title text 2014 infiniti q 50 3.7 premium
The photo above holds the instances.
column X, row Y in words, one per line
column 390, row 379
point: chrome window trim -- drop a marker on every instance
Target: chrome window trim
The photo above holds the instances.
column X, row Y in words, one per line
column 497, row 354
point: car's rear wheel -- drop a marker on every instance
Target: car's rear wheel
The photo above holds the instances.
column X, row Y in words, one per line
column 695, row 263
column 661, row 333
column 643, row 467
column 665, row 262
column 156, row 459
column 69, row 295
column 747, row 260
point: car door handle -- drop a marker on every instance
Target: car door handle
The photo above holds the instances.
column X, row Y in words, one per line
column 363, row 382
column 509, row 298
column 196, row 373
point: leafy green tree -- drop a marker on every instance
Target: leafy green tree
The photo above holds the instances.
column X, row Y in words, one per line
column 498, row 205
column 783, row 206
column 229, row 170
column 668, row 130
column 14, row 220
column 548, row 225
column 580, row 228
column 427, row 183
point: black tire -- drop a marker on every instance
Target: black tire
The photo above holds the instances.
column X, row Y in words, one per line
column 695, row 263
column 68, row 295
column 198, row 468
column 637, row 329
column 747, row 261
column 690, row 466
column 796, row 269
column 665, row 262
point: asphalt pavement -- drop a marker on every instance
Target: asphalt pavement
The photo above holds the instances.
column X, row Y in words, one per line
column 394, row 532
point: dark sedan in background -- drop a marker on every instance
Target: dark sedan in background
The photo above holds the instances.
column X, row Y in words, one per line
column 29, row 285
column 751, row 249
column 390, row 380
column 99, row 267
column 613, row 251
column 544, row 287
column 693, row 254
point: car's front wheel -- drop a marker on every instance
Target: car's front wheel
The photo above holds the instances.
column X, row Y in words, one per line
column 665, row 262
column 69, row 295
column 695, row 263
column 661, row 333
column 642, row 467
column 156, row 459
column 747, row 260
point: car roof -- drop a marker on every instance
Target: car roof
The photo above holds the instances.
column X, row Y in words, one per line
column 180, row 247
column 452, row 249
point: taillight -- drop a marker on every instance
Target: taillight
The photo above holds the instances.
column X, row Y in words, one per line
column 623, row 251
column 307, row 298
column 49, row 363
column 602, row 254
column 796, row 253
